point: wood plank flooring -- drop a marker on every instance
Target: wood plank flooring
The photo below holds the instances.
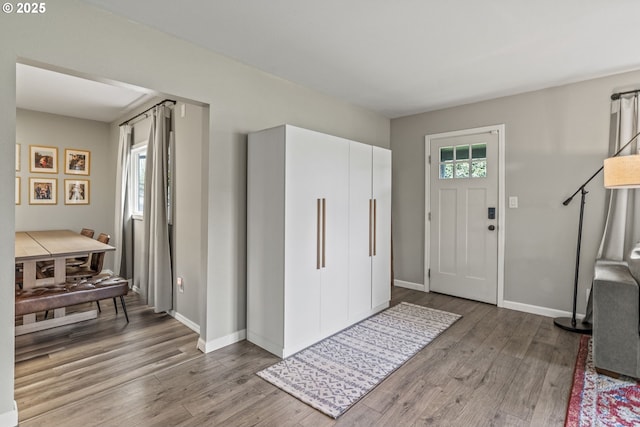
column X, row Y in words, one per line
column 494, row 367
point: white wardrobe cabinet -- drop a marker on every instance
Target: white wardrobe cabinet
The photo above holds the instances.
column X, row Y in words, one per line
column 369, row 230
column 300, row 227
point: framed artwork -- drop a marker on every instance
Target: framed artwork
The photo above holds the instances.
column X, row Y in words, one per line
column 17, row 190
column 43, row 159
column 76, row 191
column 17, row 157
column 43, row 191
column 76, row 162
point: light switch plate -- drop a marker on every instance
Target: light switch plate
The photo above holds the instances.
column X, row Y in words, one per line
column 513, row 202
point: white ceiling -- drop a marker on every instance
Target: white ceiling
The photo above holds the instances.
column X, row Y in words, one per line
column 407, row 56
column 58, row 93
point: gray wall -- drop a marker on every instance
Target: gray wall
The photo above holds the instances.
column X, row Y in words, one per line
column 555, row 140
column 35, row 128
column 7, row 236
column 74, row 36
column 188, row 239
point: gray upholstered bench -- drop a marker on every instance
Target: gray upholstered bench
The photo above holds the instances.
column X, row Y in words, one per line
column 57, row 296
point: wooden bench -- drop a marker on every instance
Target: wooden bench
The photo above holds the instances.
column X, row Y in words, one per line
column 46, row 298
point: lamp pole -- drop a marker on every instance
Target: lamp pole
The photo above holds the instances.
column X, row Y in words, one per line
column 570, row 323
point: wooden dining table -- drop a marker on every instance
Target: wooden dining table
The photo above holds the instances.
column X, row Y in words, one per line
column 32, row 247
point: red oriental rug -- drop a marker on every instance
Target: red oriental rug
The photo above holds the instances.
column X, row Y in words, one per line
column 599, row 400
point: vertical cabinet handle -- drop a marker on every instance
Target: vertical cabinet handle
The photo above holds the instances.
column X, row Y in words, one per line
column 375, row 228
column 370, row 227
column 318, row 233
column 324, row 232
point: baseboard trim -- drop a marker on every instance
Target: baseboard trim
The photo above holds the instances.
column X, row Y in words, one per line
column 209, row 346
column 409, row 285
column 186, row 322
column 10, row 418
column 542, row 311
column 512, row 305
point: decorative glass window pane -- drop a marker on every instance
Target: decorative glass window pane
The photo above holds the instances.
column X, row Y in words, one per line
column 463, row 161
column 462, row 170
column 446, row 154
column 479, row 151
column 462, row 152
column 446, row 171
column 479, row 169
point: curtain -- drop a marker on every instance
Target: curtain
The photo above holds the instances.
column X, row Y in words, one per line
column 123, row 261
column 157, row 283
column 622, row 226
column 622, row 223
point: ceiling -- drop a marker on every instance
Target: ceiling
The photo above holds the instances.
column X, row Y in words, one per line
column 407, row 56
column 59, row 93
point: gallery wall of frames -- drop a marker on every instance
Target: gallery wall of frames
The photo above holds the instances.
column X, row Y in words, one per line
column 65, row 172
column 54, row 175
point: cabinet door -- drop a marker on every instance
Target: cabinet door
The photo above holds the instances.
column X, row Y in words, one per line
column 316, row 236
column 381, row 267
column 360, row 230
column 303, row 180
column 335, row 270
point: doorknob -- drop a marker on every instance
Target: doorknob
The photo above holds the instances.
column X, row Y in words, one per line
column 492, row 227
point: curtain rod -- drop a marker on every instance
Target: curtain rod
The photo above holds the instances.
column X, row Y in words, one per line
column 619, row 94
column 147, row 110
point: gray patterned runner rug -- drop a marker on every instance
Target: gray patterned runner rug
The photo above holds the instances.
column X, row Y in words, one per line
column 338, row 371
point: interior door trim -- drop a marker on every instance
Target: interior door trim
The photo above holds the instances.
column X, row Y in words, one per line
column 500, row 129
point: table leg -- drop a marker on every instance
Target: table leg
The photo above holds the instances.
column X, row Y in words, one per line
column 28, row 281
column 28, row 274
column 60, row 270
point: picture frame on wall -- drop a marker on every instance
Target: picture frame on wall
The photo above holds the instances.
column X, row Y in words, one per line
column 43, row 191
column 76, row 192
column 17, row 190
column 43, row 159
column 76, row 162
column 17, row 157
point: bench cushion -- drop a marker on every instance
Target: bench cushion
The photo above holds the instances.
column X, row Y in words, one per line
column 57, row 296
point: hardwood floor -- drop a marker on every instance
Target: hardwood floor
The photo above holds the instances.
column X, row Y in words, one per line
column 494, row 367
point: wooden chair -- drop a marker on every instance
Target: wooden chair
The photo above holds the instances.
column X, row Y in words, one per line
column 93, row 268
column 81, row 260
column 86, row 271
column 19, row 274
column 87, row 232
column 46, row 267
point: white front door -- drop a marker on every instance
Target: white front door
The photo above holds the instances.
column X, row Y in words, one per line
column 463, row 232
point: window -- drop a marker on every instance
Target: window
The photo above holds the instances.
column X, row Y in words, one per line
column 463, row 161
column 138, row 167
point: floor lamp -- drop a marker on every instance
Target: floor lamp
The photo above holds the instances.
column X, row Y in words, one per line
column 619, row 172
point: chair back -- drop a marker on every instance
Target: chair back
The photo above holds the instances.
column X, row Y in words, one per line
column 97, row 258
column 87, row 232
column 103, row 238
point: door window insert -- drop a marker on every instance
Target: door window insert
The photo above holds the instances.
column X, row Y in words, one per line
column 463, row 161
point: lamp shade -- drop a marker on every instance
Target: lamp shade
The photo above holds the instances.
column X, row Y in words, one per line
column 622, row 172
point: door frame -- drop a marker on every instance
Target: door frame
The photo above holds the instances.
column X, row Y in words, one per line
column 500, row 129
